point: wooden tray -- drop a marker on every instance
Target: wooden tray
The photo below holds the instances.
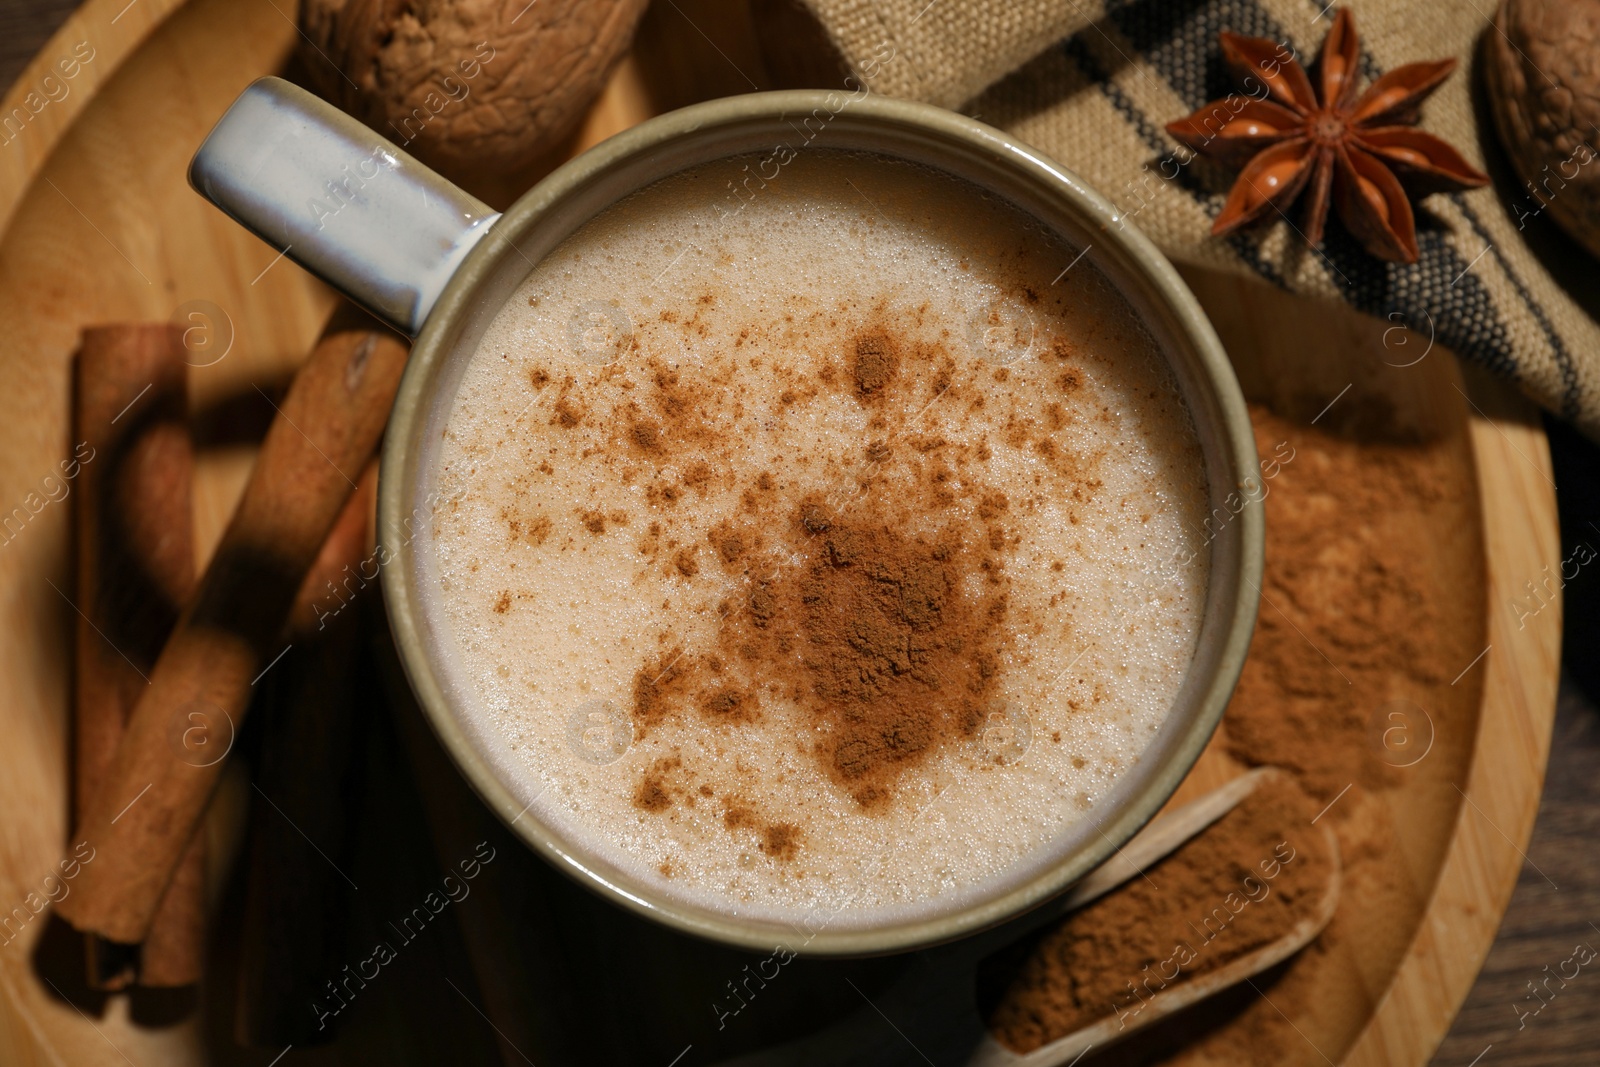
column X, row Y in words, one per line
column 97, row 224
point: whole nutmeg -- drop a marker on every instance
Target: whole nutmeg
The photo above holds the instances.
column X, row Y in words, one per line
column 467, row 86
column 1543, row 74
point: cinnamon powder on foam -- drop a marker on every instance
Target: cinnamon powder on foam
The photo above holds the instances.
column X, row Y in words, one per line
column 871, row 631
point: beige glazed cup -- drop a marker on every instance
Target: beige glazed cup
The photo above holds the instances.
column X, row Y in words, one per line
column 439, row 265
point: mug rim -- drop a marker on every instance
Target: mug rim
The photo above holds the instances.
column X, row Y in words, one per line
column 415, row 402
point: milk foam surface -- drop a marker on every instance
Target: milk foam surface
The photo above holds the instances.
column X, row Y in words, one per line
column 676, row 423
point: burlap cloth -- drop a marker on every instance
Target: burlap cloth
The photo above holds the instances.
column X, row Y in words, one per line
column 1092, row 83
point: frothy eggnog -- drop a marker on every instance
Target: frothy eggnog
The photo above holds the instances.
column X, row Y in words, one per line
column 795, row 547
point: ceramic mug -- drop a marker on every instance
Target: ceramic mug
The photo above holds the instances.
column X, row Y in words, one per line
column 437, row 264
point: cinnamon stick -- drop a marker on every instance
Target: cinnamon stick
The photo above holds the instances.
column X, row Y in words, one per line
column 135, row 571
column 313, row 710
column 141, row 820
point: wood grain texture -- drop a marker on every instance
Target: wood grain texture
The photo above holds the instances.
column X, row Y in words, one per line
column 97, row 222
column 1554, row 910
column 25, row 27
column 112, row 31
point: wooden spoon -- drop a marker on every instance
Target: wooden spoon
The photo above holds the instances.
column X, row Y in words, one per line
column 932, row 1007
column 1065, row 1050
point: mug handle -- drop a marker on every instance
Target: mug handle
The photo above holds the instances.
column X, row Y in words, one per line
column 341, row 201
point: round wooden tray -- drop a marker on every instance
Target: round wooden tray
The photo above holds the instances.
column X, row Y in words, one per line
column 97, row 224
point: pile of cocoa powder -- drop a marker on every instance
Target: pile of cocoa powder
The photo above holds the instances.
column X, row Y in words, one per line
column 1373, row 598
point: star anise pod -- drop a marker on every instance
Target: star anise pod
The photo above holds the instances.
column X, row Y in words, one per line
column 1365, row 148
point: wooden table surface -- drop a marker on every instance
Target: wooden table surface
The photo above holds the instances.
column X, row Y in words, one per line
column 1557, row 902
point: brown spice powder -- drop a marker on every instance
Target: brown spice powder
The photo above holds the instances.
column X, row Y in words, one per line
column 1231, row 890
column 894, row 659
column 877, row 356
column 1373, row 591
column 873, row 632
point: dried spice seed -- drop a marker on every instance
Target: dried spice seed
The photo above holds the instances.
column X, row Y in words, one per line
column 1362, row 150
